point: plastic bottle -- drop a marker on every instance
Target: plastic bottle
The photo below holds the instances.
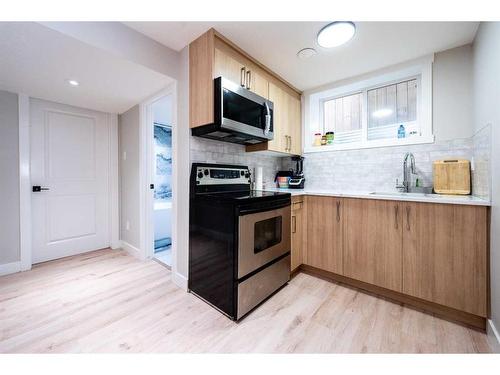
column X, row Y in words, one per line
column 401, row 131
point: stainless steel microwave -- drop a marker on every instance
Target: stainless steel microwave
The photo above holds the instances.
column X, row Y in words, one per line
column 240, row 116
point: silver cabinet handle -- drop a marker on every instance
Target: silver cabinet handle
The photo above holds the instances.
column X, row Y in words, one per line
column 242, row 77
column 338, row 211
column 396, row 214
column 408, row 217
column 267, row 127
column 294, row 224
column 249, row 79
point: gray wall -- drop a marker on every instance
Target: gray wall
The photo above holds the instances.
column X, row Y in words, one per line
column 452, row 98
column 128, row 135
column 9, row 182
column 486, row 91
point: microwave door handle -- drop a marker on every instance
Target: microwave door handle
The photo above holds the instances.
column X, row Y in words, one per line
column 268, row 119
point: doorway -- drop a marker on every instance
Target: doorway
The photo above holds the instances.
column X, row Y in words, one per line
column 162, row 172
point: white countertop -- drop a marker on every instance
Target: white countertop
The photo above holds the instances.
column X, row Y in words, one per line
column 396, row 196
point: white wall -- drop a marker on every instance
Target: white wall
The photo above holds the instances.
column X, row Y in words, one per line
column 451, row 96
column 129, row 135
column 486, row 91
column 9, row 182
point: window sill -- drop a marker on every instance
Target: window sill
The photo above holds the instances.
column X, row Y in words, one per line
column 371, row 144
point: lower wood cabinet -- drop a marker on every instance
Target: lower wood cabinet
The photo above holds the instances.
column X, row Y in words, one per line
column 373, row 241
column 324, row 233
column 299, row 231
column 431, row 252
column 445, row 255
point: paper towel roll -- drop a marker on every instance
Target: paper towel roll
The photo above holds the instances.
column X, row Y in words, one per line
column 258, row 178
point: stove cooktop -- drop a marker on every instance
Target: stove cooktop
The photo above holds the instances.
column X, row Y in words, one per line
column 242, row 196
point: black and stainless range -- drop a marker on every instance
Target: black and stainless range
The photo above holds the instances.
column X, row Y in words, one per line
column 239, row 239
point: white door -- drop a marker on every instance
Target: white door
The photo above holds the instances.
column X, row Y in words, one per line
column 69, row 157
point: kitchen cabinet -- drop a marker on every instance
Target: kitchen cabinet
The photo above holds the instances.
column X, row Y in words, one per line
column 240, row 72
column 228, row 67
column 286, row 123
column 212, row 56
column 325, row 221
column 373, row 242
column 445, row 255
column 299, row 231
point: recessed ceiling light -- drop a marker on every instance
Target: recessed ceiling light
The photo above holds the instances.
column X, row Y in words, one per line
column 336, row 34
column 306, row 53
column 72, row 82
column 384, row 112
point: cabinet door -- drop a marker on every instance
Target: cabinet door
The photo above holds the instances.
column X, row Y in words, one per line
column 229, row 68
column 294, row 125
column 373, row 242
column 445, row 255
column 298, row 231
column 324, row 233
column 257, row 83
column 280, row 119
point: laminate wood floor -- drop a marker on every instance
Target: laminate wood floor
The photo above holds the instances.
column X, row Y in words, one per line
column 107, row 301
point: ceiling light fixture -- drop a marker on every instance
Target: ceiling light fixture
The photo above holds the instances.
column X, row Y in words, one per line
column 384, row 112
column 336, row 33
column 306, row 53
column 72, row 82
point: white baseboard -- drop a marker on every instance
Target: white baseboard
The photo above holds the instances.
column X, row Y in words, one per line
column 180, row 281
column 8, row 268
column 493, row 335
column 116, row 245
column 132, row 250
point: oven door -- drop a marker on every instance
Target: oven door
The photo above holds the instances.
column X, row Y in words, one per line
column 262, row 237
column 243, row 111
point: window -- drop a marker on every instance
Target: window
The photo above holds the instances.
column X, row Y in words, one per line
column 386, row 110
column 163, row 151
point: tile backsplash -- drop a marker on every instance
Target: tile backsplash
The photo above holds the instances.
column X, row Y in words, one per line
column 377, row 169
column 481, row 174
column 374, row 169
column 208, row 151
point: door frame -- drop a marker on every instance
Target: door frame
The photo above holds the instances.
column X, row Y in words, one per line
column 25, row 203
column 146, row 151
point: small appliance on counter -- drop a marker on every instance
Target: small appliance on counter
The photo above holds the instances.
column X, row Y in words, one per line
column 292, row 179
column 452, row 176
column 297, row 180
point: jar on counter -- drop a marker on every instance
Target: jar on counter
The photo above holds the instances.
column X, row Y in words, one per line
column 330, row 136
column 317, row 139
column 323, row 140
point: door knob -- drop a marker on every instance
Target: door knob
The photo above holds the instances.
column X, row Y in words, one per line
column 38, row 188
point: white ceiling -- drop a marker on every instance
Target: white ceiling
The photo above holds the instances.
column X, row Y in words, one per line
column 37, row 61
column 375, row 45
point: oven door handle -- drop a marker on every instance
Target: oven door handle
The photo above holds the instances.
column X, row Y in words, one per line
column 271, row 207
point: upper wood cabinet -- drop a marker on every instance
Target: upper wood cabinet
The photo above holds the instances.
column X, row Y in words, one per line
column 325, row 221
column 445, row 255
column 373, row 242
column 212, row 56
column 286, row 123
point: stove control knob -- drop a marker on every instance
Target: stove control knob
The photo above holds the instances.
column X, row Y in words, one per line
column 242, row 173
column 200, row 175
column 247, row 175
column 206, row 172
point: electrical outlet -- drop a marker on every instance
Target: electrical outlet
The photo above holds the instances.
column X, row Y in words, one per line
column 127, row 225
column 124, row 155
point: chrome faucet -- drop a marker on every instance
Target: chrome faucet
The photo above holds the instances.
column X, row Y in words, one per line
column 407, row 172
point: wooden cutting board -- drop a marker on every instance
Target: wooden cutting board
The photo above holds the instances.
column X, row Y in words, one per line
column 452, row 176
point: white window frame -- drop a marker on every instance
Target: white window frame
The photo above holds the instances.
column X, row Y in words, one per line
column 421, row 70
